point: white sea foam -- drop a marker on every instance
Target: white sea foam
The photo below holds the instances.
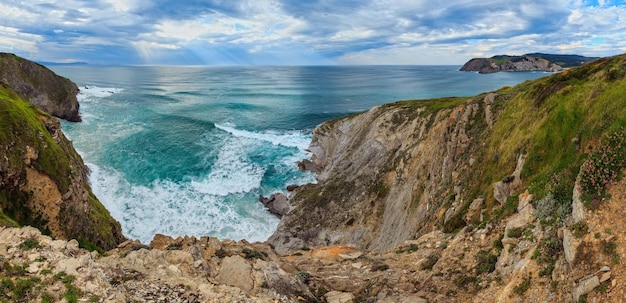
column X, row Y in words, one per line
column 289, row 138
column 89, row 91
column 177, row 209
column 232, row 172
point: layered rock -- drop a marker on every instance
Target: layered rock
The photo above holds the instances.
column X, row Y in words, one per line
column 40, row 86
column 384, row 175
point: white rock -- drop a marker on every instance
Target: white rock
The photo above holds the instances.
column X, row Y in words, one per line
column 570, row 245
column 173, row 269
column 339, row 297
column 584, row 287
column 605, row 268
column 351, row 256
column 69, row 266
column 33, row 268
column 605, row 277
column 235, row 271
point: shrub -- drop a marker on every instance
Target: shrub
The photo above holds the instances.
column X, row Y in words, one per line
column 253, row 254
column 486, row 262
column 29, row 244
column 430, row 262
column 603, row 166
column 521, row 288
column 545, row 207
column 579, row 229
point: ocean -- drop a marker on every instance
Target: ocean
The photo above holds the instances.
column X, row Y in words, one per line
column 188, row 150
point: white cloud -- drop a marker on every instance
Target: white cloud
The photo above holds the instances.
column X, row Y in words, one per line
column 364, row 31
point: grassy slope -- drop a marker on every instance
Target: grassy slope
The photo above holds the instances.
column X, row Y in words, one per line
column 21, row 125
column 556, row 121
column 546, row 118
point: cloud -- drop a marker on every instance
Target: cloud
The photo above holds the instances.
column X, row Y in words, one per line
column 308, row 32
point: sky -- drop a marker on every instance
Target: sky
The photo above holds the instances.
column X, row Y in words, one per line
column 306, row 32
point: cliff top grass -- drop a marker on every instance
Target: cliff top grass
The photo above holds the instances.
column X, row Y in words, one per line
column 556, row 121
column 22, row 125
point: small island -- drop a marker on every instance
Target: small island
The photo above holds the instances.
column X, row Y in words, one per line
column 524, row 63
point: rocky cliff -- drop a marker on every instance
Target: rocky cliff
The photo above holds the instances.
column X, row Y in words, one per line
column 528, row 62
column 40, row 86
column 43, row 181
column 514, row 195
column 510, row 64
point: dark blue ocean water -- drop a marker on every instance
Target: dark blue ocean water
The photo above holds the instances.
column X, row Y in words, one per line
column 188, row 150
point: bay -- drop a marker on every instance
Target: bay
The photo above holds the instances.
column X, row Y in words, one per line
column 187, row 150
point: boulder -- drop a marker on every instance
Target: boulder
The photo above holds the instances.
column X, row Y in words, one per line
column 501, row 191
column 277, row 204
column 585, row 287
column 473, row 213
column 235, row 271
column 570, row 246
column 308, row 165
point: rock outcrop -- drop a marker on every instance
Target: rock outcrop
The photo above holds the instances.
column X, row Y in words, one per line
column 43, row 180
column 40, row 86
column 514, row 64
column 277, row 204
column 394, row 166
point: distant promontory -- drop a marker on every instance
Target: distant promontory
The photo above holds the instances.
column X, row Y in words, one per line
column 528, row 62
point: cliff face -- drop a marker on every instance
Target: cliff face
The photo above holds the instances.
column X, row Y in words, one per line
column 40, row 86
column 508, row 195
column 402, row 170
column 513, row 64
column 387, row 175
column 43, row 181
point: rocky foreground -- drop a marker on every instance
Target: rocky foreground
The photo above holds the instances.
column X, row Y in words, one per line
column 489, row 264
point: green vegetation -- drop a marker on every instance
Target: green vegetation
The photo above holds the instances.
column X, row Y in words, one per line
column 407, row 249
column 430, row 262
column 547, row 253
column 579, row 229
column 22, row 125
column 253, row 254
column 509, row 208
column 553, row 121
column 502, row 59
column 609, row 248
column 521, row 288
column 486, row 262
column 29, row 244
column 603, row 166
column 25, row 130
column 16, row 285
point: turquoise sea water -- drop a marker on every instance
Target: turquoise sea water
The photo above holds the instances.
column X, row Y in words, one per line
column 188, row 150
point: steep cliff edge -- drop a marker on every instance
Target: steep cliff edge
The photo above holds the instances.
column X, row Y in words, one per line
column 43, row 181
column 40, row 86
column 405, row 169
